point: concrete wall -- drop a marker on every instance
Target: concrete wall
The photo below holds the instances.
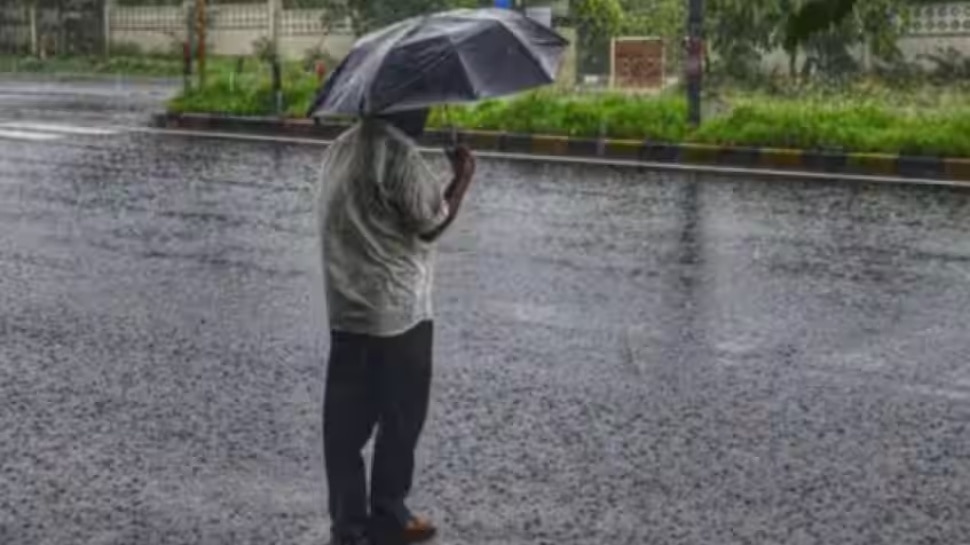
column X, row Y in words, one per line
column 14, row 30
column 235, row 27
column 924, row 45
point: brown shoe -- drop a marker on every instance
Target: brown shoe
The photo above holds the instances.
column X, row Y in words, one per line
column 419, row 530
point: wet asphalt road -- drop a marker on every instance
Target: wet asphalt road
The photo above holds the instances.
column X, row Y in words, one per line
column 622, row 357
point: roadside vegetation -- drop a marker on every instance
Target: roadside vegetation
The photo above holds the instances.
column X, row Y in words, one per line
column 864, row 116
column 822, row 95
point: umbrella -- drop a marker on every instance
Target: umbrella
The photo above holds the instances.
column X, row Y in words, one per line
column 448, row 57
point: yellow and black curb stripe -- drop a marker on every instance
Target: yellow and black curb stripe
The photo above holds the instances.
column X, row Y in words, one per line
column 834, row 162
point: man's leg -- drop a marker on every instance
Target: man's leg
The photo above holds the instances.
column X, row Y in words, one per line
column 350, row 412
column 404, row 387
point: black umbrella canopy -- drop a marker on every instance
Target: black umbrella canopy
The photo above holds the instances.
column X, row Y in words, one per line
column 449, row 57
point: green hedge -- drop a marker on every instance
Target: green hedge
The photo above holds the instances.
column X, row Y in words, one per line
column 928, row 124
column 616, row 116
column 249, row 94
column 847, row 125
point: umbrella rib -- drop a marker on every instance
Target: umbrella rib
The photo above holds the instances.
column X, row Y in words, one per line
column 418, row 76
column 533, row 43
column 520, row 43
column 380, row 66
column 322, row 93
column 464, row 65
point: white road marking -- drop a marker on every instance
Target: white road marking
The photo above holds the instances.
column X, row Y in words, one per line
column 31, row 136
column 7, row 95
column 58, row 128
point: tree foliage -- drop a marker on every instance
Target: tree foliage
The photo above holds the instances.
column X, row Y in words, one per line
column 740, row 31
column 824, row 31
column 663, row 18
column 659, row 18
column 876, row 22
column 601, row 17
column 814, row 17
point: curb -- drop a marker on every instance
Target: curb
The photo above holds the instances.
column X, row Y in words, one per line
column 795, row 160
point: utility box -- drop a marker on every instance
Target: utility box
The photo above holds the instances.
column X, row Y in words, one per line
column 637, row 63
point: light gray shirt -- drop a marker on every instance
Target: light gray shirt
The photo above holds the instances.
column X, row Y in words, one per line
column 377, row 196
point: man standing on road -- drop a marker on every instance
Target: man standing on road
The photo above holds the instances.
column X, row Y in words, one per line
column 381, row 210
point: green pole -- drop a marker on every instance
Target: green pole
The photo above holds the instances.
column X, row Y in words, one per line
column 695, row 53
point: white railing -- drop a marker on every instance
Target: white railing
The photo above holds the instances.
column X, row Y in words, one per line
column 293, row 22
column 944, row 19
column 147, row 18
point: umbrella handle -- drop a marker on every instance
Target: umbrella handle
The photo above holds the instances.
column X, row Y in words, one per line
column 452, row 130
column 452, row 150
column 452, row 154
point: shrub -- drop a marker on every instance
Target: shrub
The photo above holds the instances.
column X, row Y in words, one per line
column 264, row 50
column 866, row 118
column 849, row 124
column 583, row 115
column 249, row 93
column 127, row 49
column 317, row 53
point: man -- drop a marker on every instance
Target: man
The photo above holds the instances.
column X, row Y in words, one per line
column 381, row 211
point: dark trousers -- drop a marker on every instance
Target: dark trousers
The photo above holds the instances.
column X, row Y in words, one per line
column 380, row 382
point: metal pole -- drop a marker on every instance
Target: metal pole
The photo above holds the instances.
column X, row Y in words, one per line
column 107, row 27
column 188, row 46
column 277, row 85
column 272, row 11
column 200, row 15
column 695, row 53
column 274, row 22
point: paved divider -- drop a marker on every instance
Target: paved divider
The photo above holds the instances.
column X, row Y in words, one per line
column 626, row 150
